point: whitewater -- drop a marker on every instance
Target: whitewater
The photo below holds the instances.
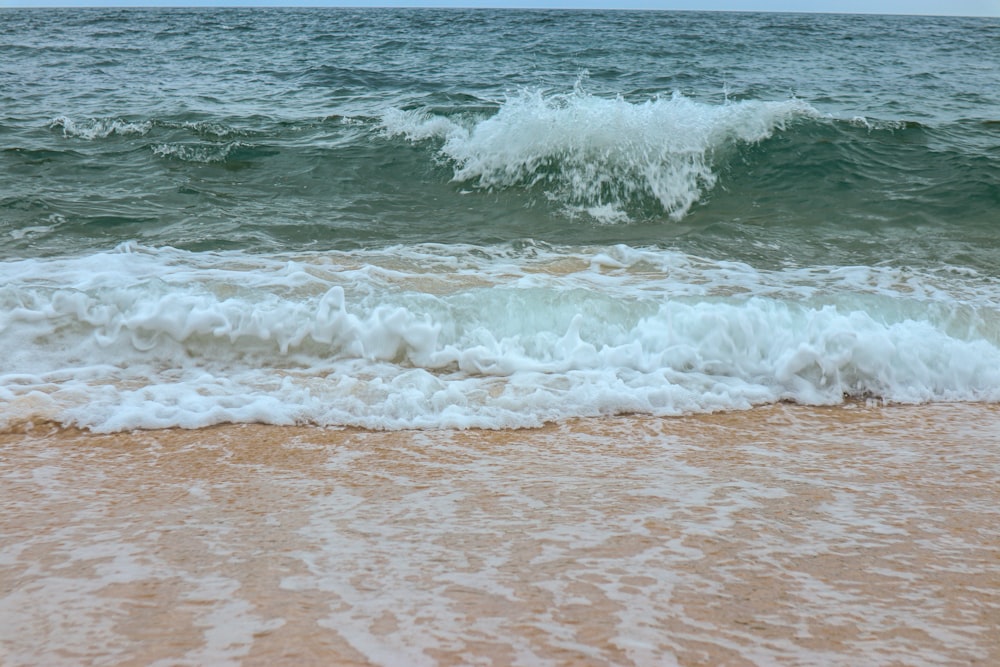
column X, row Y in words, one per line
column 434, row 336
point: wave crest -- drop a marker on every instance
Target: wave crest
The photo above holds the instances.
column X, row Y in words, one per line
column 99, row 128
column 608, row 157
column 209, row 153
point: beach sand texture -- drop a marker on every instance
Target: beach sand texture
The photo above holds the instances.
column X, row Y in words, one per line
column 855, row 535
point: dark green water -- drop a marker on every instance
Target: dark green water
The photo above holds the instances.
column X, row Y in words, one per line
column 265, row 130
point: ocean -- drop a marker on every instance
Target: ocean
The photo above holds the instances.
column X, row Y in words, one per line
column 634, row 312
column 478, row 218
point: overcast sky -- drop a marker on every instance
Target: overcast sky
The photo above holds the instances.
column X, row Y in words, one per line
column 941, row 7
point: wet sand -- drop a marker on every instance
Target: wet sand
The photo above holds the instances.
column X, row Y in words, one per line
column 855, row 535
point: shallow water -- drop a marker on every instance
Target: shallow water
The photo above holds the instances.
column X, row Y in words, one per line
column 789, row 535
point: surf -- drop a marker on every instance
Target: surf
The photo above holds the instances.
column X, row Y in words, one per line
column 473, row 336
column 607, row 157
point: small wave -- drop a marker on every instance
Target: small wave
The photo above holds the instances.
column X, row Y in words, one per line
column 877, row 124
column 213, row 129
column 102, row 128
column 99, row 128
column 205, row 153
column 608, row 157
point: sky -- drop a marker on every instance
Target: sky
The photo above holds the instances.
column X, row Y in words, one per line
column 934, row 7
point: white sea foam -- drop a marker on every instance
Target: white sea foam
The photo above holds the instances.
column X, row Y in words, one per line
column 413, row 337
column 99, row 128
column 207, row 153
column 606, row 157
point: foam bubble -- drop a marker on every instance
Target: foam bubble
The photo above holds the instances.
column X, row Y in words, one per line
column 610, row 158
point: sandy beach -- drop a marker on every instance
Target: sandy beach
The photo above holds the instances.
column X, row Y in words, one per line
column 856, row 535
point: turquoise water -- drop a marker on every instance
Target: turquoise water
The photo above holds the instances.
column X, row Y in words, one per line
column 396, row 218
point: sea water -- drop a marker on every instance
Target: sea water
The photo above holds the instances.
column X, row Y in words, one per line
column 395, row 218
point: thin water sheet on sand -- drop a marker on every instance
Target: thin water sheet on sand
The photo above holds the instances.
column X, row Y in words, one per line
column 783, row 535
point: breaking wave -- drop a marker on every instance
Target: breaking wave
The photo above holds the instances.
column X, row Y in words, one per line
column 441, row 337
column 607, row 157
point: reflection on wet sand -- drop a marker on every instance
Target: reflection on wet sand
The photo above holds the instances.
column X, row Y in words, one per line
column 783, row 535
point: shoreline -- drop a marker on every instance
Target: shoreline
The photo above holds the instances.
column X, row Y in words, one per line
column 780, row 535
